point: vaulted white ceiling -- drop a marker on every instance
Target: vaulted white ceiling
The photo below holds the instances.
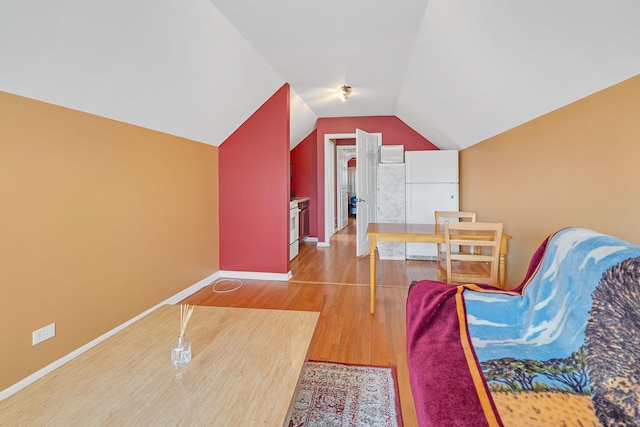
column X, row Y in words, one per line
column 457, row 71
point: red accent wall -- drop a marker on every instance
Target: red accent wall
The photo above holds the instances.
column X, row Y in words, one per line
column 254, row 191
column 303, row 181
column 394, row 132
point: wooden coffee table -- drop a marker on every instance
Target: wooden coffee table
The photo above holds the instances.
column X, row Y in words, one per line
column 245, row 368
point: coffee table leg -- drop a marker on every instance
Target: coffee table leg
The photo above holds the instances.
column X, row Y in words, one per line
column 372, row 274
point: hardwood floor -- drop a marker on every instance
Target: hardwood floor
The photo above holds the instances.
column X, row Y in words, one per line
column 333, row 281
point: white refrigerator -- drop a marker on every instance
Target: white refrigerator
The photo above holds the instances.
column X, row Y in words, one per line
column 431, row 185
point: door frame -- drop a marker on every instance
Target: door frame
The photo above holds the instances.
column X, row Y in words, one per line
column 329, row 185
column 329, row 190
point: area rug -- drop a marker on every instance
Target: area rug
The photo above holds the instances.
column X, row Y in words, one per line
column 341, row 395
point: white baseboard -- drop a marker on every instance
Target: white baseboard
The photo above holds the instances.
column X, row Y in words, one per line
column 393, row 258
column 50, row 367
column 310, row 239
column 256, row 275
column 324, row 244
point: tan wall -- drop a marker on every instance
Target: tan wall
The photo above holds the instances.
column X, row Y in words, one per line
column 576, row 166
column 99, row 221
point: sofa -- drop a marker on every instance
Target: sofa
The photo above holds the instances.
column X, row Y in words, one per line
column 563, row 348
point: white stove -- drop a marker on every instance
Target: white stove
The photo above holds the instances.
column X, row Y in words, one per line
column 294, row 224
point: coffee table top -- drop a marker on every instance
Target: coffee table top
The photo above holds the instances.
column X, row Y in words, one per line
column 244, row 370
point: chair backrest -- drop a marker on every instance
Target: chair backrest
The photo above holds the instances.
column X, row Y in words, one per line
column 442, row 216
column 478, row 256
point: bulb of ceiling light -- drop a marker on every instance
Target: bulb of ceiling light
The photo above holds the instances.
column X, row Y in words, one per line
column 344, row 92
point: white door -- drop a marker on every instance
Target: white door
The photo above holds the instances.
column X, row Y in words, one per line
column 366, row 188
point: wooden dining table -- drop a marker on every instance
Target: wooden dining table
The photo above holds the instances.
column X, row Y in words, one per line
column 415, row 233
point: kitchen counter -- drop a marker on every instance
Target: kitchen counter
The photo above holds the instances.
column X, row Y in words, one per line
column 300, row 199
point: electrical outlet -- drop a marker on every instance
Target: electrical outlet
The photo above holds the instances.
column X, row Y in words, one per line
column 44, row 333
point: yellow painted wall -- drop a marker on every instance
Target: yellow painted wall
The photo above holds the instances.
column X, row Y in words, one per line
column 99, row 221
column 576, row 166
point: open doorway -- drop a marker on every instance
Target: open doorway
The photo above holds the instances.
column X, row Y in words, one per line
column 351, row 179
column 330, row 183
column 345, row 184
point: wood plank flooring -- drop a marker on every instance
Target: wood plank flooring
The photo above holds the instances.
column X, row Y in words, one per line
column 333, row 281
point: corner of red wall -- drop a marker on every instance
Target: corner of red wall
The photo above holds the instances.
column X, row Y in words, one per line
column 254, row 191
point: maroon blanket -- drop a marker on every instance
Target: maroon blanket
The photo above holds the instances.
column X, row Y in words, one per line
column 447, row 385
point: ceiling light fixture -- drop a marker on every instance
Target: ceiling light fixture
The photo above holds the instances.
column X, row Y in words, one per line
column 344, row 93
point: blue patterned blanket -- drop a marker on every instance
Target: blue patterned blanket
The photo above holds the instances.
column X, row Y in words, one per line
column 553, row 337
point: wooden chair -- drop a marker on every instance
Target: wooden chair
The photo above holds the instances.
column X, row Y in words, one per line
column 441, row 217
column 466, row 264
